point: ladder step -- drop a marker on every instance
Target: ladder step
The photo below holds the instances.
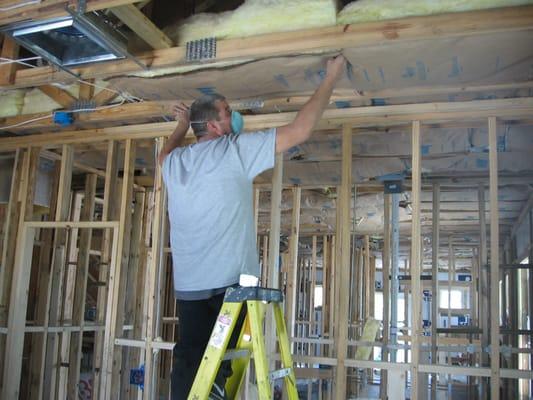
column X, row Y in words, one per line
column 236, row 353
column 279, row 373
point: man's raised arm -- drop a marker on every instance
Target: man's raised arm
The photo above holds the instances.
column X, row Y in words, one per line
column 299, row 130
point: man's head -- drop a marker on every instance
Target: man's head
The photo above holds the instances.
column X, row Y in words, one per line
column 210, row 115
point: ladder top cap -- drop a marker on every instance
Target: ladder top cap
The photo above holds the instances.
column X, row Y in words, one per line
column 241, row 294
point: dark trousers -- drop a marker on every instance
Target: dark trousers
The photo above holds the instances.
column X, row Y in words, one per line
column 196, row 321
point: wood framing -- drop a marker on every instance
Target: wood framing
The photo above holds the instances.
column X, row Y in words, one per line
column 323, row 39
column 80, row 289
column 10, row 51
column 435, row 244
column 332, row 119
column 21, row 279
column 60, row 96
column 494, row 263
column 416, row 289
column 142, row 26
column 343, row 266
column 292, row 272
column 53, row 8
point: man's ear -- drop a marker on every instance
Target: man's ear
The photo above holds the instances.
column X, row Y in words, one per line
column 214, row 126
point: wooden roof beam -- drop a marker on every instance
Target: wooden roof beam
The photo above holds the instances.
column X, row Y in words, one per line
column 142, row 26
column 333, row 38
column 332, row 119
column 51, row 9
column 60, row 96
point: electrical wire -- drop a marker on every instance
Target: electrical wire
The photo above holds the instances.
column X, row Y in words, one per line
column 125, row 96
column 19, row 5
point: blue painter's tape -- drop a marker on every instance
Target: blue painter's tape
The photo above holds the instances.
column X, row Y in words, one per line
column 421, row 70
column 293, row 150
column 343, row 104
column 206, row 90
column 409, row 72
column 381, row 74
column 370, row 214
column 349, row 72
column 391, row 177
column 424, row 149
column 501, row 144
column 377, row 102
column 456, row 68
column 281, row 80
column 482, row 163
column 365, row 73
column 310, row 76
column 334, row 144
column 295, row 180
column 321, row 74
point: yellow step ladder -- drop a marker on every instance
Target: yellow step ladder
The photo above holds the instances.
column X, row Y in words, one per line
column 251, row 341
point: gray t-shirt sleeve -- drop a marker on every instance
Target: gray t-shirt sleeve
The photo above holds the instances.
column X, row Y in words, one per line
column 257, row 151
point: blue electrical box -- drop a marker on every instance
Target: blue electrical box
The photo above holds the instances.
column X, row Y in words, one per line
column 137, row 377
column 63, row 118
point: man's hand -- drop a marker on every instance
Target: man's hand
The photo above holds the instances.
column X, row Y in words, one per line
column 181, row 113
column 335, row 67
column 299, row 130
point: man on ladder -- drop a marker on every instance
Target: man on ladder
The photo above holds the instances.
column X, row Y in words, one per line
column 210, row 192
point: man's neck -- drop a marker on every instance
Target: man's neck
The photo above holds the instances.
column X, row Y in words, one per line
column 209, row 136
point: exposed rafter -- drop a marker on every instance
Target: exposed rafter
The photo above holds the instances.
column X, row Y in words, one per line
column 324, row 39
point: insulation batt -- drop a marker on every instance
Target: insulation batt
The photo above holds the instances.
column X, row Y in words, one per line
column 376, row 10
column 256, row 17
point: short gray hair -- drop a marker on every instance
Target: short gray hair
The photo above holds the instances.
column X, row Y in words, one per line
column 203, row 109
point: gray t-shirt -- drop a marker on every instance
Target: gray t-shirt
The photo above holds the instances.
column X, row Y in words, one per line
column 210, row 196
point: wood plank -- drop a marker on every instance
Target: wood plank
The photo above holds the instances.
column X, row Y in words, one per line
column 312, row 286
column 56, row 282
column 415, row 260
column 80, row 288
column 86, row 89
column 366, row 269
column 109, row 213
column 134, row 275
column 10, row 50
column 292, row 273
column 386, row 257
column 104, row 97
column 494, row 263
column 53, row 8
column 273, row 251
column 21, row 279
column 67, row 303
column 142, row 26
column 322, row 39
column 343, row 267
column 60, row 96
column 155, row 262
column 435, row 239
column 332, row 119
column 9, row 246
column 115, row 303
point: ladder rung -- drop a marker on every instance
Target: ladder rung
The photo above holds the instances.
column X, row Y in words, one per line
column 236, row 353
column 278, row 374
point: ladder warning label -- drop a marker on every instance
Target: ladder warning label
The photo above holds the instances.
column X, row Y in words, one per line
column 220, row 331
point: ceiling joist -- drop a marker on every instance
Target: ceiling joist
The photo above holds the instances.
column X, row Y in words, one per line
column 330, row 39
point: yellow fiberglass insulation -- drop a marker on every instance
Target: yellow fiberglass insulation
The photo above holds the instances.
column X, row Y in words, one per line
column 256, row 17
column 377, row 10
column 11, row 102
